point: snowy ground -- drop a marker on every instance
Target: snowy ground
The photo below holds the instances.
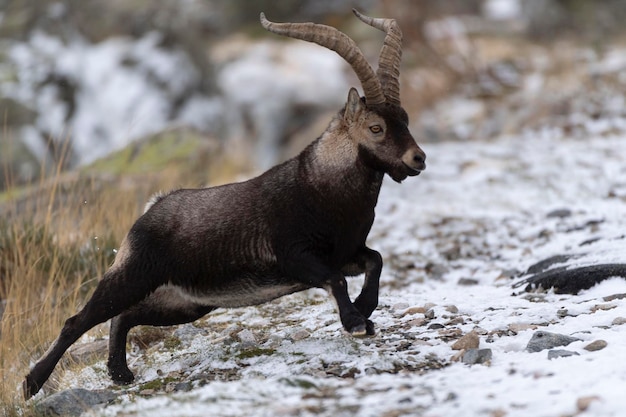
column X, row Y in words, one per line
column 480, row 212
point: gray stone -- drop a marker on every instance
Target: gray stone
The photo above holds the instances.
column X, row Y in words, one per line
column 467, row 282
column 246, row 337
column 183, row 386
column 561, row 353
column 300, row 334
column 545, row 340
column 73, row 402
column 618, row 321
column 559, row 213
column 477, row 356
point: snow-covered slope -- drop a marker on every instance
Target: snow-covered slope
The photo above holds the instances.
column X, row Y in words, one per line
column 454, row 240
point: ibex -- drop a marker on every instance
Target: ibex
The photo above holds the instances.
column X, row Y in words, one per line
column 301, row 224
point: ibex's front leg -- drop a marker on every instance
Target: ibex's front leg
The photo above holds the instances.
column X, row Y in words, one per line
column 311, row 271
column 370, row 262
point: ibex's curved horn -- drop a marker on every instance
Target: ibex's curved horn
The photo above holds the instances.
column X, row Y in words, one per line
column 390, row 55
column 335, row 40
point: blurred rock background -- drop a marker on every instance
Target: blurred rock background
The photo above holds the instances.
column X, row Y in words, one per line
column 81, row 79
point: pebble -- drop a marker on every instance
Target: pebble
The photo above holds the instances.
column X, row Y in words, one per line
column 184, row 386
column 246, row 337
column 614, row 297
column 436, row 326
column 477, row 356
column 559, row 213
column 430, row 314
column 583, row 403
column 561, row 353
column 467, row 282
column 545, row 340
column 400, row 306
column 417, row 322
column 520, row 327
column 414, row 310
column 455, row 320
column 452, row 309
column 618, row 321
column 468, row 341
column 300, row 334
column 596, row 345
column 603, row 307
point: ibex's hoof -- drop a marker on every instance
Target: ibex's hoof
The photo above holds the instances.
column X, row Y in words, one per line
column 29, row 387
column 121, row 376
column 362, row 330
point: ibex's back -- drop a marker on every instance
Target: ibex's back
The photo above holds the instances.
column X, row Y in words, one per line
column 301, row 224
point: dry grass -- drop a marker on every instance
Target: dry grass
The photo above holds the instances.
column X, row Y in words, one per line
column 57, row 237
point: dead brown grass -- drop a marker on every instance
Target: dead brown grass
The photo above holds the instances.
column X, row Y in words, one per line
column 57, row 237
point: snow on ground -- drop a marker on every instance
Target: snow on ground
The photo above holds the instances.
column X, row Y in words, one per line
column 480, row 212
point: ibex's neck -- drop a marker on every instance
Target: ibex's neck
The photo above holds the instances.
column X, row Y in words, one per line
column 332, row 164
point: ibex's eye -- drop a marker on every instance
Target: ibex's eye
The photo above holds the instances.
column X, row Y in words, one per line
column 376, row 129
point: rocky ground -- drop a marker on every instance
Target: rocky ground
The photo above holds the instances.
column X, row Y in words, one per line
column 454, row 338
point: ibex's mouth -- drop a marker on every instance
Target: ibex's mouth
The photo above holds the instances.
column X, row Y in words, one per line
column 401, row 174
column 412, row 172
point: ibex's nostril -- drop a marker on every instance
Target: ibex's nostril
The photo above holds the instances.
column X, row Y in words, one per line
column 418, row 158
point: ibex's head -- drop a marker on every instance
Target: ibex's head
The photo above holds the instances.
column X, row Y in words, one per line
column 377, row 123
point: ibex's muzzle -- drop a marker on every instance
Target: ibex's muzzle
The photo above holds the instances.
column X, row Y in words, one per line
column 414, row 159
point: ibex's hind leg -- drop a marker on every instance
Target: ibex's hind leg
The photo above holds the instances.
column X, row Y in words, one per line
column 164, row 307
column 110, row 298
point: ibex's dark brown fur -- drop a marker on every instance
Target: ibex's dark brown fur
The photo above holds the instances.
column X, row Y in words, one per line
column 302, row 224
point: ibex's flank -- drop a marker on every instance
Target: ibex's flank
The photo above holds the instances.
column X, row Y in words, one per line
column 302, row 224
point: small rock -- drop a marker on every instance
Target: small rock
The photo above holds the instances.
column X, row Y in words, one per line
column 246, row 337
column 545, row 340
column 417, row 322
column 452, row 309
column 400, row 306
column 147, row 392
column 468, row 341
column 561, row 353
column 456, row 320
column 603, row 307
column 520, row 327
column 436, row 271
column 559, row 213
column 436, row 326
column 614, row 297
column 430, row 314
column 184, row 386
column 583, row 403
column 73, row 402
column 618, row 321
column 414, row 310
column 87, row 352
column 480, row 331
column 300, row 334
column 466, row 282
column 428, row 306
column 596, row 345
column 477, row 356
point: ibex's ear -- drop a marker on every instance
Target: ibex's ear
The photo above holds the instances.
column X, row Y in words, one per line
column 354, row 105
